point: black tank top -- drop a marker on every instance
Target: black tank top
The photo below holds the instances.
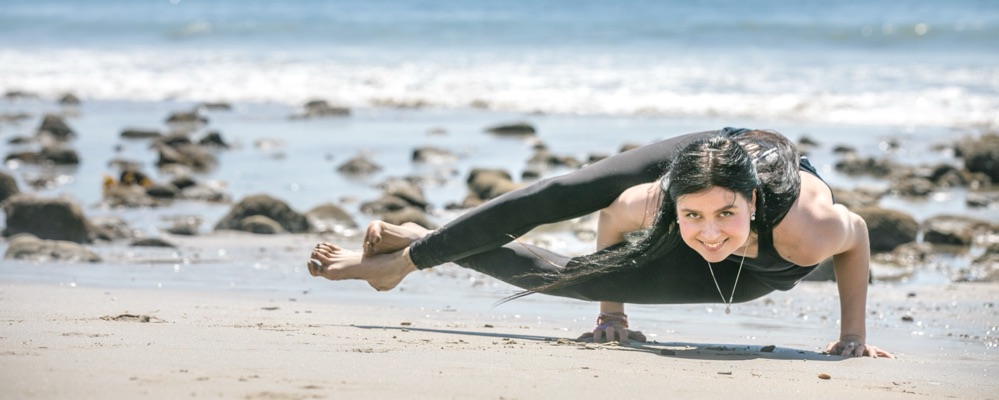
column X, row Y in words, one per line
column 769, row 261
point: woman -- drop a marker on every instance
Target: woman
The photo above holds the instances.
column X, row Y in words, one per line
column 680, row 220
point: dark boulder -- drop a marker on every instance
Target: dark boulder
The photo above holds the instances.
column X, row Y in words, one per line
column 186, row 117
column 50, row 219
column 69, row 99
column 322, row 108
column 8, row 186
column 514, row 129
column 134, row 133
column 888, row 229
column 261, row 225
column 329, row 217
column 265, row 205
column 359, row 165
column 408, row 214
column 213, row 139
column 56, row 127
column 854, row 165
column 433, row 155
column 953, row 229
column 31, row 248
column 151, row 242
column 487, row 183
column 981, row 154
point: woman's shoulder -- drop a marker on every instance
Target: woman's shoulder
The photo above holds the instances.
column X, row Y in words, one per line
column 809, row 232
column 637, row 204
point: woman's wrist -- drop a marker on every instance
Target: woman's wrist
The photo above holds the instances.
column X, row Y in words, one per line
column 607, row 319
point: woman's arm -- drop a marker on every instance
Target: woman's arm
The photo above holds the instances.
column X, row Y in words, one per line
column 632, row 211
column 816, row 229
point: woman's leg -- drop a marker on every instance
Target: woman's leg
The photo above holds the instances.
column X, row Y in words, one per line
column 682, row 277
column 578, row 193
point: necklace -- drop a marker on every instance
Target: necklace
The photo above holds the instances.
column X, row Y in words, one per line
column 728, row 304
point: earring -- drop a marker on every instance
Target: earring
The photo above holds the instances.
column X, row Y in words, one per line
column 752, row 217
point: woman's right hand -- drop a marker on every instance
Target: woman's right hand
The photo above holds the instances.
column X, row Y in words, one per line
column 612, row 327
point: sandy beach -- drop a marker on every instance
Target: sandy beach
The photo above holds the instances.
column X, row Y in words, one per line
column 80, row 339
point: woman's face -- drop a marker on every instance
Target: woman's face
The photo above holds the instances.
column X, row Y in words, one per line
column 715, row 222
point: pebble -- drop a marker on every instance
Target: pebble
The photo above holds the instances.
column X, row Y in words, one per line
column 824, row 376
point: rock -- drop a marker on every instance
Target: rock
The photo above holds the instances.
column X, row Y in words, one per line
column 322, row 108
column 216, row 106
column 490, row 183
column 987, row 264
column 186, row 117
column 953, row 229
column 49, row 219
column 189, row 155
column 127, row 196
column 853, row 165
column 134, row 133
column 29, row 247
column 59, row 155
column 888, row 229
column 15, row 95
column 260, row 224
column 981, row 154
column 152, row 242
column 329, row 217
column 69, row 99
column 913, row 254
column 213, row 139
column 913, row 186
column 359, row 165
column 186, row 226
column 408, row 214
column 52, row 154
column 8, row 186
column 433, row 155
column 972, row 199
column 54, row 125
column 162, row 191
column 858, row 198
column 385, row 204
column 514, row 129
column 264, row 205
column 407, row 191
column 203, row 193
column 110, row 228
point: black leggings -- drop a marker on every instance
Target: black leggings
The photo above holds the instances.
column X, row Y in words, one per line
column 480, row 239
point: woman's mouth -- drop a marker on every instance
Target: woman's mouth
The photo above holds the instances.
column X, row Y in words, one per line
column 714, row 246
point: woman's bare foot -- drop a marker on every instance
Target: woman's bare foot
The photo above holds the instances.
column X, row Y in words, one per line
column 382, row 271
column 382, row 237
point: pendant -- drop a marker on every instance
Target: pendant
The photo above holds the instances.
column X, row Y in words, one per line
column 728, row 310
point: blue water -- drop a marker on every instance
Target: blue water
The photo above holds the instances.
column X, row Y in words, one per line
column 887, row 63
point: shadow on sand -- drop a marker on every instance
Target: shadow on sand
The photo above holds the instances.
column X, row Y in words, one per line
column 686, row 350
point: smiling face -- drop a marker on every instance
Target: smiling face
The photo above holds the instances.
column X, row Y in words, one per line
column 715, row 222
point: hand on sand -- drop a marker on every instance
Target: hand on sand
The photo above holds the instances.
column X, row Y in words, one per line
column 610, row 333
column 856, row 348
column 382, row 271
column 382, row 237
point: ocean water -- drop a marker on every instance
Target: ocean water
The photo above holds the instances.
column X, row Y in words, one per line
column 863, row 62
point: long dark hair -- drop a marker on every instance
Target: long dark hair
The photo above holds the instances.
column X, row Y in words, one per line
column 738, row 160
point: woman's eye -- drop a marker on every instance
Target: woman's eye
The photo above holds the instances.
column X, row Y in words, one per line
column 691, row 215
column 726, row 214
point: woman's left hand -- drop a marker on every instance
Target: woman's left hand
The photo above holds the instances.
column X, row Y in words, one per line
column 856, row 348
